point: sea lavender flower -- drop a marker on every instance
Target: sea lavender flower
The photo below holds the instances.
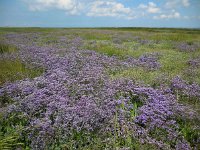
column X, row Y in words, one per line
column 184, row 88
column 187, row 47
column 194, row 62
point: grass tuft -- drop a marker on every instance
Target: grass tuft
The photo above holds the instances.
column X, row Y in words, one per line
column 5, row 48
column 15, row 70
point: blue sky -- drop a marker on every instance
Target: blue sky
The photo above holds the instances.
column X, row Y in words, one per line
column 100, row 13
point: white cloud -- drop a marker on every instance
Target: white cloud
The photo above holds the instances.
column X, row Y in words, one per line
column 111, row 9
column 186, row 3
column 177, row 3
column 87, row 7
column 69, row 6
column 172, row 15
column 150, row 8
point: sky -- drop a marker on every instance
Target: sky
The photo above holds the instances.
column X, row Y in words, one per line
column 100, row 13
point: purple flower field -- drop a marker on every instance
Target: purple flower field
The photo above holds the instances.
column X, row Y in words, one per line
column 74, row 103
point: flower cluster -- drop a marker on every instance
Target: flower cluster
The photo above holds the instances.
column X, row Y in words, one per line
column 187, row 47
column 184, row 88
column 194, row 62
column 150, row 61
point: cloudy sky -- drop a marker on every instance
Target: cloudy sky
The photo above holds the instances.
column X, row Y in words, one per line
column 100, row 13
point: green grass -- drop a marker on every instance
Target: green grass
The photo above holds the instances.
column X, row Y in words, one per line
column 5, row 48
column 12, row 70
column 16, row 70
column 189, row 130
column 107, row 49
column 93, row 35
column 192, row 75
column 121, row 51
column 137, row 74
column 171, row 65
column 11, row 132
column 173, row 62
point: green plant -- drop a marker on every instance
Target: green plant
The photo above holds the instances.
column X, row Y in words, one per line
column 12, row 70
column 12, row 134
column 189, row 129
column 5, row 48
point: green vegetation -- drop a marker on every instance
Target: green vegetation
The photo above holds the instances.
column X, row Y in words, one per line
column 189, row 130
column 119, row 42
column 137, row 74
column 11, row 131
column 16, row 70
column 5, row 48
column 161, row 41
column 11, row 128
column 12, row 70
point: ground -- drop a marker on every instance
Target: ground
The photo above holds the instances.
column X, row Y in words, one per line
column 99, row 88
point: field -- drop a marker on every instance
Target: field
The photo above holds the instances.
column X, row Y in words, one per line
column 99, row 88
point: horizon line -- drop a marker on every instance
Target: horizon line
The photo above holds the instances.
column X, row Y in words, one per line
column 81, row 27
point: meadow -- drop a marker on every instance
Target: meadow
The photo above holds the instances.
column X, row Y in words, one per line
column 99, row 88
